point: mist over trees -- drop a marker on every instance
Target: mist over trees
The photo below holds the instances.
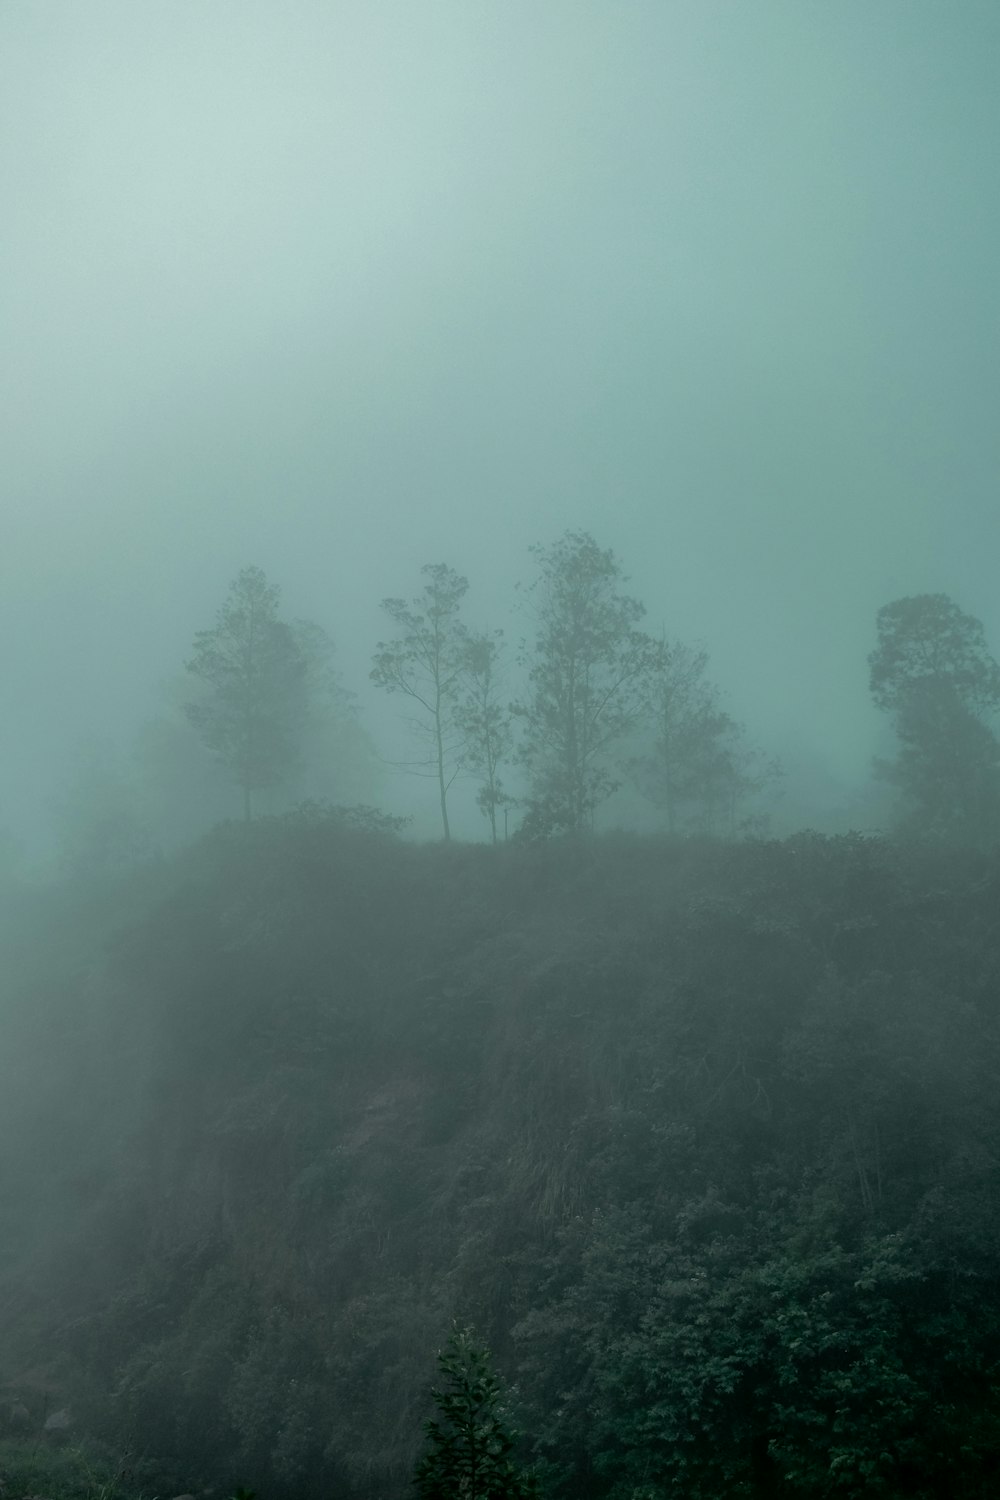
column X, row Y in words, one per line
column 700, row 1135
column 500, row 818
column 424, row 663
column 592, row 722
column 696, row 767
column 252, row 669
column 681, row 1120
column 588, row 672
column 933, row 673
column 695, row 1124
column 555, row 742
column 484, row 717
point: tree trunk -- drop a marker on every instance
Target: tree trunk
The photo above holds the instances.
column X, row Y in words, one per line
column 442, row 785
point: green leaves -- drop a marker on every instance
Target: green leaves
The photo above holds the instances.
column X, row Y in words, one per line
column 468, row 1453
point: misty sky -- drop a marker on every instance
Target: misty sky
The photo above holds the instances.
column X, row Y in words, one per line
column 339, row 289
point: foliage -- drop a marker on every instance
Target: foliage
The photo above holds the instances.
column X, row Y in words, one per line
column 469, row 1451
column 359, row 815
column 927, row 637
column 933, row 671
column 425, row 664
column 703, row 1137
column 947, row 767
column 252, row 669
column 72, row 1472
column 588, row 677
column 698, row 769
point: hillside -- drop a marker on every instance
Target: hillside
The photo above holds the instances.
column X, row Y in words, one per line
column 703, row 1138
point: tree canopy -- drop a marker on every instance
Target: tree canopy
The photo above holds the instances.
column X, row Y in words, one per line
column 933, row 672
column 469, row 1448
column 252, row 669
column 927, row 639
column 588, row 680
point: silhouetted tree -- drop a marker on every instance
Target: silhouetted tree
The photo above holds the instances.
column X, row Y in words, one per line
column 253, row 671
column 424, row 663
column 933, row 671
column 589, row 680
column 928, row 638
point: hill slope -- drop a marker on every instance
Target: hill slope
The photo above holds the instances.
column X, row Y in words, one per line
column 703, row 1138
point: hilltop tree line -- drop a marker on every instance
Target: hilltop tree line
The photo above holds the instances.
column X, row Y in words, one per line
column 588, row 703
column 598, row 700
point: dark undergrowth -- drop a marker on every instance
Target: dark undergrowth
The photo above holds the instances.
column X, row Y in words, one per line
column 702, row 1137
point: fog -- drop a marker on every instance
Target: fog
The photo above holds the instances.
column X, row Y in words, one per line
column 690, row 1126
column 341, row 289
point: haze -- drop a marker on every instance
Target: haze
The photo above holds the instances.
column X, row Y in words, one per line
column 339, row 290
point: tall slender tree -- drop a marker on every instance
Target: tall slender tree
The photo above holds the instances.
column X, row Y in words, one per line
column 589, row 680
column 484, row 719
column 424, row 663
column 252, row 706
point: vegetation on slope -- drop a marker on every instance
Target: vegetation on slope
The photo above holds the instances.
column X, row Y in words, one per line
column 702, row 1137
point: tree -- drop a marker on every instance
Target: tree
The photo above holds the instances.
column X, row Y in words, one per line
column 933, row 672
column 698, row 769
column 339, row 761
column 252, row 669
column 688, row 726
column 589, row 678
column 425, row 663
column 484, row 719
column 468, row 1453
column 927, row 638
column 728, row 772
